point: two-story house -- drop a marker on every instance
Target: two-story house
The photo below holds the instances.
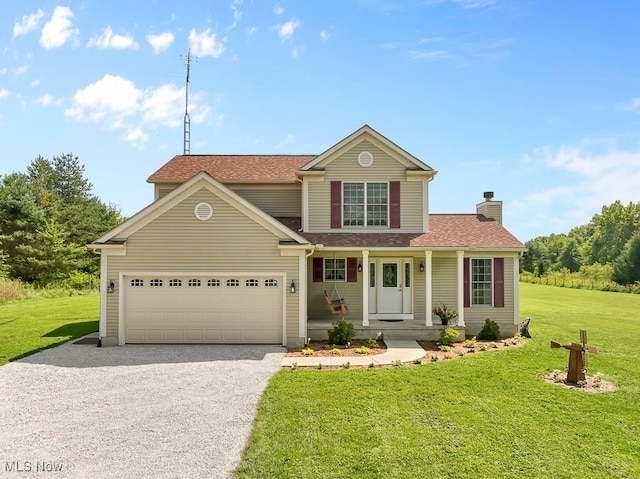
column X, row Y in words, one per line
column 273, row 248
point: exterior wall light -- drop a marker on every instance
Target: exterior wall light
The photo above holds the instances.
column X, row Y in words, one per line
column 292, row 286
column 421, row 267
column 111, row 287
column 359, row 267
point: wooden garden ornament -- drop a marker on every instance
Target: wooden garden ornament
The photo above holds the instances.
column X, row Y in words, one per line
column 577, row 357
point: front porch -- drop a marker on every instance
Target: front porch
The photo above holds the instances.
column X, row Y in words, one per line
column 404, row 328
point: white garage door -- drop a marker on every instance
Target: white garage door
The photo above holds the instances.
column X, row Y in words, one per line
column 204, row 309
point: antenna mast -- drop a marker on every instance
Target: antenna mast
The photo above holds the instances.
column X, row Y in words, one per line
column 187, row 119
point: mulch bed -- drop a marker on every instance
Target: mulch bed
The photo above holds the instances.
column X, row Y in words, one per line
column 592, row 384
column 323, row 348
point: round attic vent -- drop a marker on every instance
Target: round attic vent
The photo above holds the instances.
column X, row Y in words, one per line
column 365, row 159
column 203, row 211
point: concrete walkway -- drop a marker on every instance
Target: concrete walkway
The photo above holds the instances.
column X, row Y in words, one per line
column 403, row 350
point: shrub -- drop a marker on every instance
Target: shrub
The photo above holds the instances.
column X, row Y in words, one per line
column 490, row 331
column 308, row 352
column 417, row 361
column 470, row 343
column 363, row 350
column 336, row 352
column 444, row 348
column 342, row 332
column 346, row 365
column 434, row 359
column 372, row 343
column 448, row 336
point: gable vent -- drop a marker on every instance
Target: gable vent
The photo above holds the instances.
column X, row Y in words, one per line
column 203, row 211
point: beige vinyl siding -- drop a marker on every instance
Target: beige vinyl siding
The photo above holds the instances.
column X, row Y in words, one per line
column 445, row 282
column 164, row 189
column 228, row 242
column 276, row 200
column 419, row 290
column 317, row 307
column 475, row 316
column 491, row 209
column 384, row 168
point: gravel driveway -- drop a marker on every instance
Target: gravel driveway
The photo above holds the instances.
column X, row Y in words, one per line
column 165, row 411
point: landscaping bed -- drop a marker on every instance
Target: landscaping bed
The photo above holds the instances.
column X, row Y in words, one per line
column 326, row 348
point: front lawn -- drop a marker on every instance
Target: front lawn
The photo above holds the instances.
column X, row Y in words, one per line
column 488, row 415
column 30, row 325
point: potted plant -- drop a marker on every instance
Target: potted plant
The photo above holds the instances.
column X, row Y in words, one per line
column 445, row 312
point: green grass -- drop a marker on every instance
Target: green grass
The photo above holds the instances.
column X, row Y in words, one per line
column 486, row 415
column 31, row 325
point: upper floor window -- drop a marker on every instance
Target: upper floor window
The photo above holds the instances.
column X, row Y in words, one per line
column 481, row 281
column 365, row 204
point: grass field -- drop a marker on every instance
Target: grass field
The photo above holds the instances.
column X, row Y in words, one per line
column 486, row 415
column 28, row 326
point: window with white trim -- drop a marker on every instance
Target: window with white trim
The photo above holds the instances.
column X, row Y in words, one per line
column 252, row 283
column 174, row 283
column 136, row 283
column 365, row 204
column 213, row 283
column 481, row 281
column 232, row 283
column 194, row 283
column 271, row 283
column 335, row 269
column 155, row 283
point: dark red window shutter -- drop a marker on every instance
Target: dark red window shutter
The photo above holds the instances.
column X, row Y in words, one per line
column 318, row 270
column 394, row 204
column 336, row 204
column 352, row 270
column 498, row 282
column 466, row 263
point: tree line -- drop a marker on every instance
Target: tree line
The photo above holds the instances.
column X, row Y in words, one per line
column 48, row 215
column 607, row 248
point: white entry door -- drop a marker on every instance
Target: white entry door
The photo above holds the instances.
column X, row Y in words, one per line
column 390, row 287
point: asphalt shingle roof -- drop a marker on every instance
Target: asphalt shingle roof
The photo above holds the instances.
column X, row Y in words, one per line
column 232, row 167
column 445, row 230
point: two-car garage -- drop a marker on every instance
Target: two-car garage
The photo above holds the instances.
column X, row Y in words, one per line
column 203, row 308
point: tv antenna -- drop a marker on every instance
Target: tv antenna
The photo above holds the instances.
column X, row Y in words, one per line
column 187, row 119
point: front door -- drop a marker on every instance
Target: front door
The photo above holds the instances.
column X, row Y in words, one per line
column 390, row 287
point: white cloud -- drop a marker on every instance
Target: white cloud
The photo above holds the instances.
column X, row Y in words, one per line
column 46, row 99
column 594, row 173
column 4, row 93
column 277, row 9
column 162, row 104
column 117, row 103
column 34, row 83
column 250, row 30
column 113, row 96
column 236, row 13
column 205, row 43
column 57, row 31
column 160, row 42
column 324, row 35
column 295, row 52
column 476, row 3
column 631, row 105
column 428, row 55
column 28, row 23
column 20, row 71
column 286, row 30
column 108, row 40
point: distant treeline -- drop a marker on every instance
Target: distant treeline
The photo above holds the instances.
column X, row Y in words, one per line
column 603, row 254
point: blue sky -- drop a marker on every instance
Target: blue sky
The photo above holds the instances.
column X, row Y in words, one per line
column 538, row 101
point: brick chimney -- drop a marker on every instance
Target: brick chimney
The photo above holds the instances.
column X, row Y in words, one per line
column 489, row 208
